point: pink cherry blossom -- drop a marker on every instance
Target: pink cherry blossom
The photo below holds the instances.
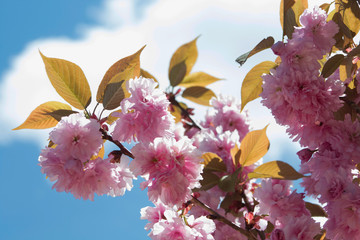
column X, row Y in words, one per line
column 171, row 169
column 300, row 228
column 77, row 136
column 84, row 180
column 227, row 114
column 144, row 114
column 275, row 199
column 315, row 26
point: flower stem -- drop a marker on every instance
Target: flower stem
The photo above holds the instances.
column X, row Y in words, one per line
column 123, row 149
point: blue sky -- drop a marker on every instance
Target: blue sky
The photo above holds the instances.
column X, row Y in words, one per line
column 94, row 34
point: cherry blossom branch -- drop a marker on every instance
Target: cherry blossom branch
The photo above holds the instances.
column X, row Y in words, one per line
column 174, row 102
column 222, row 219
column 123, row 149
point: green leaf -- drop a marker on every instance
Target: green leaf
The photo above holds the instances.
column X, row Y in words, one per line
column 315, row 210
column 199, row 95
column 252, row 83
column 40, row 117
column 276, row 170
column 228, row 183
column 209, row 180
column 200, row 79
column 264, row 44
column 177, row 73
column 115, row 90
column 69, row 81
column 186, row 53
column 132, row 61
column 253, row 147
column 331, row 65
column 213, row 162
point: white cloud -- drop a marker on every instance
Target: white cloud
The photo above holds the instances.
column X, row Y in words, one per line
column 228, row 28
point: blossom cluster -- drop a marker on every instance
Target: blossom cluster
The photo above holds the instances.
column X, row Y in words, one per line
column 201, row 177
column 302, row 100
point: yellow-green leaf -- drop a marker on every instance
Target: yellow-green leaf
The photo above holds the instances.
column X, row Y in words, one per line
column 350, row 11
column 264, row 44
column 40, row 118
column 290, row 11
column 198, row 79
column 252, row 84
column 199, row 95
column 132, row 61
column 69, row 81
column 187, row 53
column 315, row 210
column 111, row 118
column 254, row 146
column 213, row 162
column 176, row 111
column 325, row 7
column 235, row 153
column 115, row 90
column 146, row 74
column 277, row 170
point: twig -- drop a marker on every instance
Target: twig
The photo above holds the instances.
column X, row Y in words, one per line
column 174, row 102
column 123, row 149
column 222, row 219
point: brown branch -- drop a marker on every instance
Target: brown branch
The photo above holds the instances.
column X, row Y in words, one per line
column 174, row 102
column 222, row 219
column 123, row 149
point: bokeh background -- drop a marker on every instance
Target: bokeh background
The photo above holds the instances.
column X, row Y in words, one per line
column 94, row 34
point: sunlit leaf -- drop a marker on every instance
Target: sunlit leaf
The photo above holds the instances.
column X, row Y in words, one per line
column 315, row 210
column 100, row 154
column 69, row 81
column 213, row 162
column 146, row 74
column 254, row 146
column 199, row 95
column 264, row 44
column 176, row 111
column 111, row 118
column 235, row 153
column 200, row 79
column 290, row 11
column 331, row 65
column 321, row 236
column 325, row 7
column 186, row 53
column 350, row 11
column 252, row 84
column 41, row 117
column 277, row 170
column 115, row 90
column 132, row 61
